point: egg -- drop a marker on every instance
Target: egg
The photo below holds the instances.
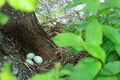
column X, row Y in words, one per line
column 29, row 61
column 30, row 55
column 38, row 59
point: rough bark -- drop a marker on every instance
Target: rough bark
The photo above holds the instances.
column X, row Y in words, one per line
column 21, row 35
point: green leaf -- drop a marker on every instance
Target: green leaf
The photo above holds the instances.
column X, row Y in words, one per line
column 95, row 50
column 86, row 69
column 117, row 48
column 66, row 70
column 112, row 34
column 65, row 73
column 94, row 32
column 2, row 2
column 22, row 5
column 115, row 3
column 107, row 46
column 106, row 78
column 112, row 57
column 81, row 25
column 91, row 6
column 51, row 75
column 118, row 75
column 68, row 39
column 104, row 8
column 111, row 68
column 74, row 3
column 42, row 77
column 68, row 66
column 3, row 19
column 74, row 52
column 6, row 74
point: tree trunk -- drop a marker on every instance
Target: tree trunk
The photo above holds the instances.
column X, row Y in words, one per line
column 21, row 35
column 25, row 30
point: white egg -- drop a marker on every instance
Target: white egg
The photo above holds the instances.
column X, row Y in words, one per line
column 38, row 59
column 30, row 55
column 29, row 61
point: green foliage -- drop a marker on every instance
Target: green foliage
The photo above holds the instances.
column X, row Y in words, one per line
column 100, row 35
column 112, row 34
column 112, row 57
column 107, row 46
column 94, row 33
column 95, row 50
column 68, row 39
column 74, row 3
column 106, row 78
column 82, row 25
column 6, row 73
column 42, row 77
column 3, row 19
column 91, row 6
column 114, row 3
column 2, row 2
column 22, row 5
column 86, row 69
column 54, row 74
column 111, row 68
column 117, row 48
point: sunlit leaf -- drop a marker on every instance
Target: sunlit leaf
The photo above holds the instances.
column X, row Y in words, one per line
column 95, row 50
column 86, row 69
column 42, row 77
column 3, row 19
column 94, row 33
column 22, row 5
column 6, row 73
column 2, row 2
column 68, row 39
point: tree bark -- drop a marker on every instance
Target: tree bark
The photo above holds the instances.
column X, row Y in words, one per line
column 21, row 35
column 24, row 30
